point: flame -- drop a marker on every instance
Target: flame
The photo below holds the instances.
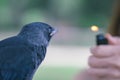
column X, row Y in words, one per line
column 94, row 28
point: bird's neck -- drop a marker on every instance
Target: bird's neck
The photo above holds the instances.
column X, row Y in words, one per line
column 34, row 39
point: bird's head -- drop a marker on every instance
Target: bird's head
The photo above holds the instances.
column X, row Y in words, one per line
column 37, row 33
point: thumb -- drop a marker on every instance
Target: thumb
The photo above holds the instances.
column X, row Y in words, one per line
column 113, row 40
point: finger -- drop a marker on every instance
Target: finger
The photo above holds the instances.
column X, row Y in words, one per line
column 113, row 40
column 111, row 78
column 115, row 62
column 104, row 62
column 114, row 73
column 101, row 51
column 83, row 75
column 105, row 72
column 106, row 50
column 99, row 72
column 110, row 39
column 99, row 62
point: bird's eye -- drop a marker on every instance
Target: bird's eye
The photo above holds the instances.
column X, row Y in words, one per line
column 50, row 30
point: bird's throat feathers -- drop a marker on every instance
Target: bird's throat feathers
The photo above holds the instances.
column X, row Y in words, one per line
column 34, row 38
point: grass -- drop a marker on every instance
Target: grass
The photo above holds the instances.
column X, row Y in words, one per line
column 56, row 73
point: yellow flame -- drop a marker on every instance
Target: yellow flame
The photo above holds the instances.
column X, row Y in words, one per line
column 94, row 28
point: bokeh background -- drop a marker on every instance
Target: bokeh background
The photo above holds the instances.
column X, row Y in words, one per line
column 69, row 49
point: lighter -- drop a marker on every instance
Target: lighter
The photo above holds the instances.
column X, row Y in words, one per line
column 101, row 40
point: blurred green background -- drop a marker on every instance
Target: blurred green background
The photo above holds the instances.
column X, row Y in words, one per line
column 69, row 48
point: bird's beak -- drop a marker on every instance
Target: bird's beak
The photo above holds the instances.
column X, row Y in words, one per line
column 53, row 32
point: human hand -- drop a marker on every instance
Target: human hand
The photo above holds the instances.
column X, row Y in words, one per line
column 105, row 60
column 83, row 75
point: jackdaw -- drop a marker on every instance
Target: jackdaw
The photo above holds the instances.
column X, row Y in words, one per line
column 21, row 55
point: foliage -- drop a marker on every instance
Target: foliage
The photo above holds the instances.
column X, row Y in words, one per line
column 81, row 13
column 96, row 12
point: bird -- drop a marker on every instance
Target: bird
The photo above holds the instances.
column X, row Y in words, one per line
column 22, row 54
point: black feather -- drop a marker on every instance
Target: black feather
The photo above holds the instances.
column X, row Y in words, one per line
column 21, row 55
